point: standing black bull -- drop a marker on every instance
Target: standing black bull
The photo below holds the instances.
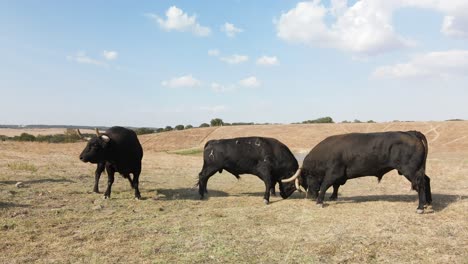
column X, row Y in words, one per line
column 267, row 158
column 339, row 158
column 116, row 150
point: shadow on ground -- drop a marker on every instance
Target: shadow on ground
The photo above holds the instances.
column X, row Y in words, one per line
column 186, row 194
column 11, row 205
column 439, row 201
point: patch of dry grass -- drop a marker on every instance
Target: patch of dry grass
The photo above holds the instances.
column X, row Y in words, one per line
column 55, row 217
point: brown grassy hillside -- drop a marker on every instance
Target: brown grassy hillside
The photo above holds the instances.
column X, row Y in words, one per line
column 55, row 218
column 442, row 136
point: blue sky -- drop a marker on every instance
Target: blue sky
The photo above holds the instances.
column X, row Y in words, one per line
column 157, row 63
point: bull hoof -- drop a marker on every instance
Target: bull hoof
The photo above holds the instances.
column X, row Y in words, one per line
column 319, row 205
column 138, row 198
column 333, row 198
column 266, row 201
column 419, row 211
column 106, row 197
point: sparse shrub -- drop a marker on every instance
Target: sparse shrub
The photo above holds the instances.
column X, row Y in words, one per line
column 345, row 122
column 357, row 121
column 371, row 121
column 242, row 124
column 204, row 125
column 159, row 130
column 179, row 127
column 168, row 128
column 24, row 137
column 320, row 120
column 188, row 126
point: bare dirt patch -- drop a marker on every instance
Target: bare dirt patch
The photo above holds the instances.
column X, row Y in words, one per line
column 55, row 218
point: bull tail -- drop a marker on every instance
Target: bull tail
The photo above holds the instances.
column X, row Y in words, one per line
column 423, row 139
column 419, row 183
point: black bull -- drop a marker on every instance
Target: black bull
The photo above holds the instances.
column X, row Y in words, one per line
column 267, row 158
column 339, row 158
column 116, row 150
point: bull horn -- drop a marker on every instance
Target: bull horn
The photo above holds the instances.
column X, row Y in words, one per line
column 81, row 135
column 298, row 172
column 298, row 187
column 97, row 131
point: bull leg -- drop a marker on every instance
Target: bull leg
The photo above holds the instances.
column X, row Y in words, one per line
column 334, row 195
column 268, row 186
column 323, row 189
column 428, row 191
column 203, row 177
column 97, row 175
column 136, row 180
column 418, row 183
column 272, row 190
column 110, row 181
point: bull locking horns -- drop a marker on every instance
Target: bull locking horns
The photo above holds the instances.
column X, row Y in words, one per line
column 295, row 179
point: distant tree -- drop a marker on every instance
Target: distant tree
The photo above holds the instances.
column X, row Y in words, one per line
column 188, row 126
column 345, row 122
column 159, row 130
column 179, row 127
column 204, row 125
column 326, row 119
column 226, row 124
column 217, row 122
column 357, row 121
column 168, row 128
column 143, row 131
column 455, row 119
column 371, row 121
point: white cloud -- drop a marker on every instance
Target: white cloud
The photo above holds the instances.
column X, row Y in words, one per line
column 220, row 88
column 268, row 61
column 230, row 29
column 81, row 57
column 110, row 55
column 177, row 20
column 183, row 81
column 250, row 82
column 235, row 59
column 214, row 109
column 433, row 64
column 213, row 52
column 365, row 27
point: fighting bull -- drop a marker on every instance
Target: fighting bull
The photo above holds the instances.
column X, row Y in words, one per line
column 267, row 158
column 339, row 158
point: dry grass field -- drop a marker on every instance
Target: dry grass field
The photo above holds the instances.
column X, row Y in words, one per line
column 56, row 218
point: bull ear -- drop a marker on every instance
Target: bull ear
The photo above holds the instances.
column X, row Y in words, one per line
column 105, row 138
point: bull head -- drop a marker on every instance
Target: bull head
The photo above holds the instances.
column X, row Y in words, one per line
column 95, row 150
